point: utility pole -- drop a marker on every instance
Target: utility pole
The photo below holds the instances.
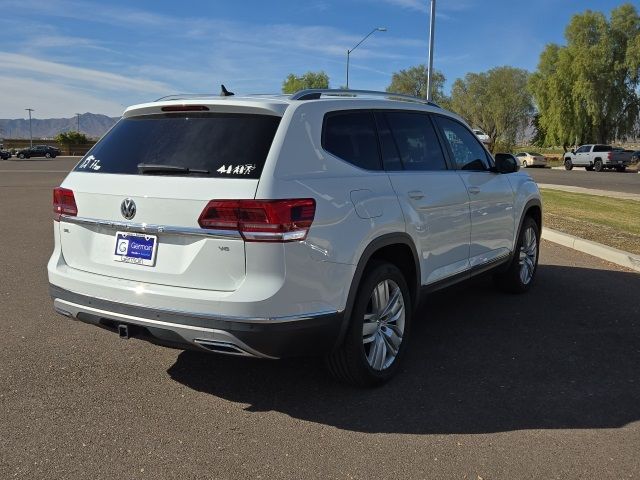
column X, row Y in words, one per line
column 30, row 131
column 78, row 128
column 431, row 32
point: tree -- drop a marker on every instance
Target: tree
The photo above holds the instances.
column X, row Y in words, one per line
column 413, row 81
column 587, row 90
column 71, row 138
column 293, row 83
column 496, row 101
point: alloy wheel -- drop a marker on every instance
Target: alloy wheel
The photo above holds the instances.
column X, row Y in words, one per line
column 384, row 323
column 528, row 255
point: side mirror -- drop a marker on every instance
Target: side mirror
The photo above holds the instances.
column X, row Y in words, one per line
column 506, row 163
column 573, row 151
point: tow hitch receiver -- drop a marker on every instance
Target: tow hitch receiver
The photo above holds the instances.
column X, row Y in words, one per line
column 123, row 331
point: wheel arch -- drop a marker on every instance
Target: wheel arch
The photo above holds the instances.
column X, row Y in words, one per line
column 533, row 209
column 396, row 248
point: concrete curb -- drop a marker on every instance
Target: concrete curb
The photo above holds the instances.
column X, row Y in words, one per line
column 610, row 254
column 591, row 191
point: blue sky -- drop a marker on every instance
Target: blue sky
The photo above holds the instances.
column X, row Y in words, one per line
column 67, row 56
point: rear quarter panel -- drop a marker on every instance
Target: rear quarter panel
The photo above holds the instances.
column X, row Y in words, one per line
column 299, row 167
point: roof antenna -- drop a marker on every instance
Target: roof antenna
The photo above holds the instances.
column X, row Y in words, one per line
column 224, row 92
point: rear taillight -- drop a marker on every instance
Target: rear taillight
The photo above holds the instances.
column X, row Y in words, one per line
column 64, row 203
column 609, row 155
column 261, row 220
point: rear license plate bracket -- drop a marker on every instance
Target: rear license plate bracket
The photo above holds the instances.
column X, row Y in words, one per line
column 135, row 248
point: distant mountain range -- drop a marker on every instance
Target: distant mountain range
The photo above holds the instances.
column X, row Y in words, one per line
column 91, row 124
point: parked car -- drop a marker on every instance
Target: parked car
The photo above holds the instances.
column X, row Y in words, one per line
column 483, row 137
column 531, row 159
column 597, row 157
column 39, row 151
column 282, row 226
column 5, row 154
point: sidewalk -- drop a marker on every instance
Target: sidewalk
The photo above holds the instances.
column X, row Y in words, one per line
column 592, row 191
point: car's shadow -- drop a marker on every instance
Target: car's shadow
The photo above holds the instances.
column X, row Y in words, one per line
column 562, row 356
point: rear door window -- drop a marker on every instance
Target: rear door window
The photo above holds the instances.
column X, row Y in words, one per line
column 352, row 137
column 416, row 141
column 216, row 145
column 603, row 148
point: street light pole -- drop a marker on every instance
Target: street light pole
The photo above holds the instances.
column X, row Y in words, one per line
column 377, row 29
column 431, row 32
column 78, row 127
column 30, row 131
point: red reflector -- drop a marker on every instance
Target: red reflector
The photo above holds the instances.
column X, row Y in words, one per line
column 64, row 203
column 185, row 108
column 261, row 220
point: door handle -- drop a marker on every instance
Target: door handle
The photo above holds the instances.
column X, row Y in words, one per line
column 474, row 190
column 416, row 194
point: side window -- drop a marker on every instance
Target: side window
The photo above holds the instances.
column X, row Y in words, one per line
column 602, row 148
column 466, row 149
column 390, row 156
column 520, row 154
column 584, row 149
column 352, row 137
column 416, row 141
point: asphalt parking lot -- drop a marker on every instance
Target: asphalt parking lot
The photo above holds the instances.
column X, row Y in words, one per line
column 545, row 385
column 628, row 182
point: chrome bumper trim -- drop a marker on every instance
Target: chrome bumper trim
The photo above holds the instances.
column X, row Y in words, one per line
column 152, row 228
column 191, row 334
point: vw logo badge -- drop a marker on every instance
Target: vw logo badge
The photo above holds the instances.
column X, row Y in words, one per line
column 128, row 208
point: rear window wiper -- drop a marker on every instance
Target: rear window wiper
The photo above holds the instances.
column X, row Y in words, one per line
column 160, row 169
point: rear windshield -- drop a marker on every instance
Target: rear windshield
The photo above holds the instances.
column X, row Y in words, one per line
column 217, row 145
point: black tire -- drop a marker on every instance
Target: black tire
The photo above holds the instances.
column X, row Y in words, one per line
column 21, row 155
column 598, row 166
column 589, row 168
column 621, row 169
column 568, row 164
column 511, row 279
column 348, row 362
column 47, row 155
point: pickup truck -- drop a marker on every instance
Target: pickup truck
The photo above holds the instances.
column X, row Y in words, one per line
column 597, row 157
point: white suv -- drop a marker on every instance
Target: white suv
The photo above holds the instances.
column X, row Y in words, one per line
column 273, row 226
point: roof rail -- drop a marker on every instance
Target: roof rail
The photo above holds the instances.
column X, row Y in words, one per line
column 316, row 93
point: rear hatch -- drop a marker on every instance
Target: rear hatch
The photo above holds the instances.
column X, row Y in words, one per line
column 154, row 174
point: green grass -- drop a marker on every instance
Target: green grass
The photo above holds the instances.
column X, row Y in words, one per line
column 605, row 220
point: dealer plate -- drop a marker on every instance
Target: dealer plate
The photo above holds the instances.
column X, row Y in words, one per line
column 135, row 248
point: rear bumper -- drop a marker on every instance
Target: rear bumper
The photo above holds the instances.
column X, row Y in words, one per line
column 618, row 163
column 277, row 337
